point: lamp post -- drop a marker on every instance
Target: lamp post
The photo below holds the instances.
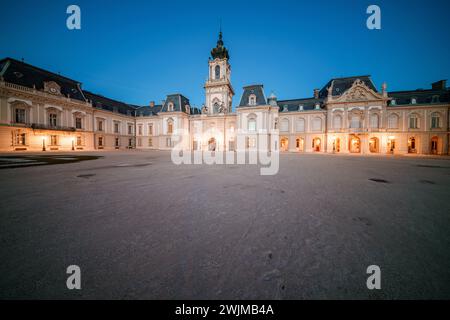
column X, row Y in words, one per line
column 73, row 146
column 43, row 143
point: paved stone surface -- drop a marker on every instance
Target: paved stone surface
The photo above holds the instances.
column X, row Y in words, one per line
column 141, row 227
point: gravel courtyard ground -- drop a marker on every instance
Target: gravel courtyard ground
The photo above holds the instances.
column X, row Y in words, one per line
column 141, row 227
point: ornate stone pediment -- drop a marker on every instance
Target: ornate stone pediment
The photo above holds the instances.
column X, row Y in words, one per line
column 359, row 92
column 52, row 87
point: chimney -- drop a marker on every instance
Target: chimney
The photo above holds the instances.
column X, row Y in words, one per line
column 316, row 93
column 439, row 85
column 152, row 104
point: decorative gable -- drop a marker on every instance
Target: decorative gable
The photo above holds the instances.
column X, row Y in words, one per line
column 359, row 91
column 52, row 87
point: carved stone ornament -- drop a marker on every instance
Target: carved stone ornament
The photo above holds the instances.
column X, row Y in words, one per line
column 52, row 87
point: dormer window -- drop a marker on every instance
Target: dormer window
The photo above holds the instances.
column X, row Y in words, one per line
column 317, row 106
column 413, row 100
column 393, row 102
column 285, row 108
column 170, row 107
column 435, row 99
column 188, row 109
column 252, row 100
column 300, row 108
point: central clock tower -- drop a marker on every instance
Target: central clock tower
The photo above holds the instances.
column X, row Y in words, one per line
column 219, row 92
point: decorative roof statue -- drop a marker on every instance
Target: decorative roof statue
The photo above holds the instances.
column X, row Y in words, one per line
column 220, row 52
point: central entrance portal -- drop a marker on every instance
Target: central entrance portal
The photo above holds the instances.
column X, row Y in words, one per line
column 355, row 144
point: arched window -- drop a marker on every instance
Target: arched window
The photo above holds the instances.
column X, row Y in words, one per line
column 300, row 125
column 337, row 122
column 374, row 121
column 435, row 120
column 217, row 72
column 169, row 126
column 170, row 107
column 393, row 121
column 413, row 121
column 252, row 100
column 52, row 119
column 355, row 121
column 284, row 126
column 252, row 124
column 317, row 124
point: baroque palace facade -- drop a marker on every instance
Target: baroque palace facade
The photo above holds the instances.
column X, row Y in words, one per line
column 44, row 111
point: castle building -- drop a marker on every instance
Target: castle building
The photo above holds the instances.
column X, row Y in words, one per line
column 44, row 111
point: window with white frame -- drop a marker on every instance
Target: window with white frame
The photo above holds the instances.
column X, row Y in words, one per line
column 251, row 124
column 169, row 126
column 317, row 124
column 355, row 121
column 170, row 107
column 393, row 121
column 435, row 120
column 374, row 121
column 150, row 129
column 300, row 125
column 284, row 125
column 20, row 115
column 413, row 121
column 252, row 100
column 337, row 122
column 52, row 119
column 78, row 123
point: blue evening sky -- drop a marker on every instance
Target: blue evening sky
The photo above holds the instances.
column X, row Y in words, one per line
column 138, row 51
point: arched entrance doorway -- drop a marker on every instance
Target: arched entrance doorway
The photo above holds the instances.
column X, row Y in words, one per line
column 355, row 144
column 284, row 144
column 391, row 145
column 434, row 145
column 374, row 145
column 412, row 145
column 337, row 145
column 316, row 144
column 212, row 144
column 299, row 144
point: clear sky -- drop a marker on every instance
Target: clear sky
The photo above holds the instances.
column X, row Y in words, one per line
column 138, row 51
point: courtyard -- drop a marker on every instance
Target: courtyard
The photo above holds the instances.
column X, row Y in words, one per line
column 140, row 227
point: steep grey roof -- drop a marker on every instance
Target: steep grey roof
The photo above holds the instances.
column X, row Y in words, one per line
column 147, row 111
column 258, row 91
column 294, row 104
column 26, row 75
column 104, row 103
column 340, row 85
column 179, row 103
column 422, row 96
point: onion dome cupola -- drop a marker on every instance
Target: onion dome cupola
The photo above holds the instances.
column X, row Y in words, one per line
column 220, row 52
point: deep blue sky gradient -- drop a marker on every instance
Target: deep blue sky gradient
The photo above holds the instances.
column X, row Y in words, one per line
column 138, row 51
